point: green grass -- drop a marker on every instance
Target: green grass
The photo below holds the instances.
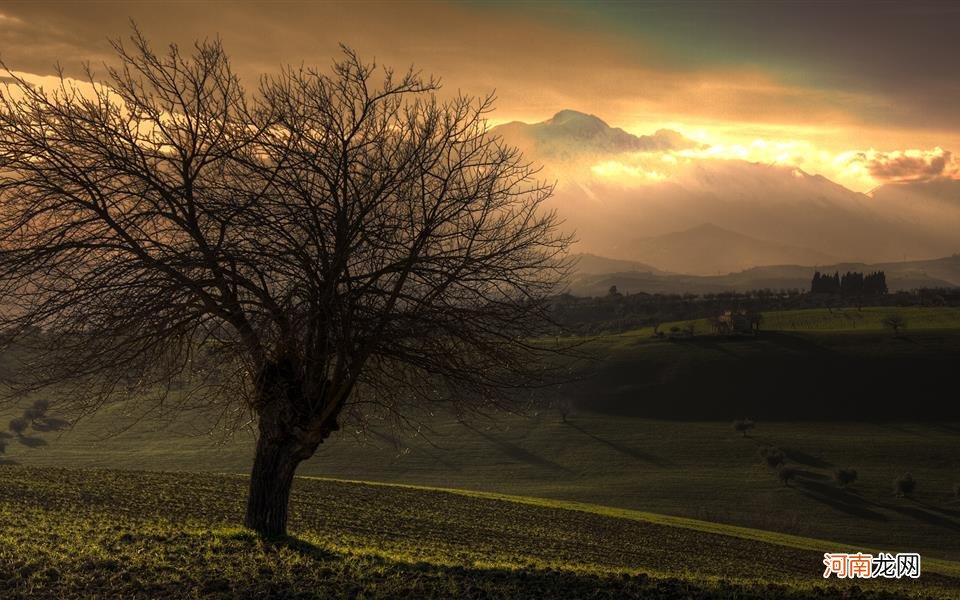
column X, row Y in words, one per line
column 865, row 319
column 75, row 533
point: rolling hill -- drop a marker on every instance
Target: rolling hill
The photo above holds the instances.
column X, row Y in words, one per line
column 694, row 250
column 647, row 427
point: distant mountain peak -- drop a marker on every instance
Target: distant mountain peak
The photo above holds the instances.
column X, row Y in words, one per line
column 568, row 118
column 571, row 133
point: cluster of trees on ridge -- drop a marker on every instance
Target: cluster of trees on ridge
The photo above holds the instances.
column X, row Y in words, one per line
column 849, row 284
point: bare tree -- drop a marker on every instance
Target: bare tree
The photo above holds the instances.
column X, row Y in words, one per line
column 332, row 246
column 894, row 322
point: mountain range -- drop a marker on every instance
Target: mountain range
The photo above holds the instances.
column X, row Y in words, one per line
column 654, row 199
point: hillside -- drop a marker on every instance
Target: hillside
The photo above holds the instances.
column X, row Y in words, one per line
column 708, row 249
column 73, row 534
column 656, row 415
column 591, row 264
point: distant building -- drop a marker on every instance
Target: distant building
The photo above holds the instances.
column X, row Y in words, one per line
column 737, row 321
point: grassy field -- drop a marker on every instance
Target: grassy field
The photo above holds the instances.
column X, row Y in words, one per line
column 650, row 431
column 72, row 533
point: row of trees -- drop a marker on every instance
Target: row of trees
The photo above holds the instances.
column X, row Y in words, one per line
column 849, row 284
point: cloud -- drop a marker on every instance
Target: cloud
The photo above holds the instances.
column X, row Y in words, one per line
column 905, row 165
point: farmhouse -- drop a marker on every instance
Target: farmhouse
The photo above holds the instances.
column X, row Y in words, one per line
column 737, row 321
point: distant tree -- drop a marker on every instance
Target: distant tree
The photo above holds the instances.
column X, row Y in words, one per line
column 905, row 485
column 851, row 284
column 327, row 247
column 787, row 474
column 956, row 490
column 743, row 426
column 773, row 457
column 875, row 283
column 3, row 445
column 613, row 292
column 37, row 410
column 19, row 425
column 816, row 285
column 845, row 477
column 656, row 329
column 894, row 322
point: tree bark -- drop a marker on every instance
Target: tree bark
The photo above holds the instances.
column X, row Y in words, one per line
column 271, row 479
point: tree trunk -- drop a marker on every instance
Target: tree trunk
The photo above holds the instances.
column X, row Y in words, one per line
column 290, row 430
column 270, row 481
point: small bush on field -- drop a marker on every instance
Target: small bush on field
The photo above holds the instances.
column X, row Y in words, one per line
column 743, row 426
column 787, row 474
column 845, row 477
column 905, row 485
column 19, row 425
column 37, row 410
column 773, row 457
column 894, row 323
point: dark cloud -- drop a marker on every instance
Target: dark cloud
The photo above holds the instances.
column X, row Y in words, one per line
column 908, row 165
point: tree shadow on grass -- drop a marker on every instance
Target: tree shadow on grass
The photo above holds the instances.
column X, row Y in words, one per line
column 302, row 547
column 519, row 453
column 398, row 445
column 623, row 449
column 808, row 460
column 840, row 499
column 811, row 475
column 949, row 512
column 925, row 516
column 32, row 442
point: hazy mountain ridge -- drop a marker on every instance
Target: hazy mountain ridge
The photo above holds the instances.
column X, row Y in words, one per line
column 724, row 250
column 941, row 272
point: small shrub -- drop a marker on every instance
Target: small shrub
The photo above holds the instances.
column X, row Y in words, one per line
column 19, row 425
column 787, row 474
column 743, row 426
column 37, row 410
column 773, row 457
column 905, row 485
column 845, row 477
column 894, row 322
column 956, row 490
column 3, row 445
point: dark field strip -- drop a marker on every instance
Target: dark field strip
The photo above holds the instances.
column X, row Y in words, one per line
column 75, row 533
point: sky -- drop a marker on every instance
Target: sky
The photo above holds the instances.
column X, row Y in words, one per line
column 862, row 93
